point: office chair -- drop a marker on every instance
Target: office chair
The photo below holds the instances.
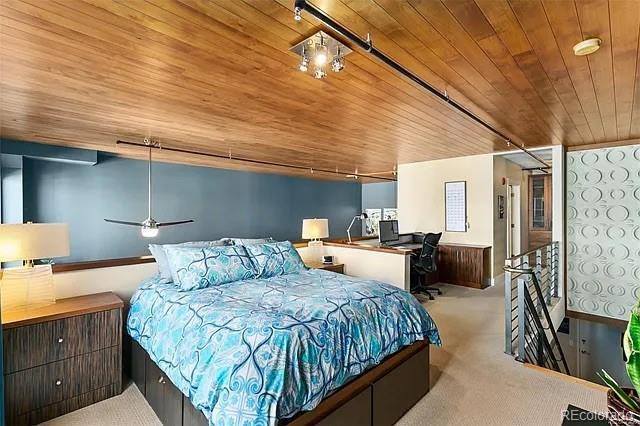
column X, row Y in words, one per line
column 425, row 264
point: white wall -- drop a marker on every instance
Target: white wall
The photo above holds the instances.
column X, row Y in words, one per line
column 122, row 280
column 503, row 168
column 421, row 197
column 390, row 268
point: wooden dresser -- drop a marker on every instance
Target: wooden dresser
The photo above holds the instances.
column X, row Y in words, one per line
column 466, row 265
column 61, row 357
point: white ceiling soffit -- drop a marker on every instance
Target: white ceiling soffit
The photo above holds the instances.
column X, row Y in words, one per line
column 525, row 161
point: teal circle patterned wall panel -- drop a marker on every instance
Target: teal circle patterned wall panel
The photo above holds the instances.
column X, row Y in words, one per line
column 603, row 231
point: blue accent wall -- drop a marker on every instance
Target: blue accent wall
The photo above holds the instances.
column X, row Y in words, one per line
column 379, row 195
column 223, row 203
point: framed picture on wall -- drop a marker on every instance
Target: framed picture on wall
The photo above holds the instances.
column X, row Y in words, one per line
column 390, row 213
column 500, row 206
column 455, row 206
column 371, row 223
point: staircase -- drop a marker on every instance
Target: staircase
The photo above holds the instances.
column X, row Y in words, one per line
column 531, row 290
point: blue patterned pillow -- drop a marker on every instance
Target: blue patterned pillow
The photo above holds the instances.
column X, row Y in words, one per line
column 275, row 259
column 203, row 267
column 158, row 251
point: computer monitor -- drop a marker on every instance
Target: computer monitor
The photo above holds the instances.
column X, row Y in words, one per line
column 388, row 231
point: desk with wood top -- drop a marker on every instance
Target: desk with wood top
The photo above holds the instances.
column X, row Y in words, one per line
column 460, row 264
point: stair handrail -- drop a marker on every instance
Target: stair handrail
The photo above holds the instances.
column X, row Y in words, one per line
column 536, row 285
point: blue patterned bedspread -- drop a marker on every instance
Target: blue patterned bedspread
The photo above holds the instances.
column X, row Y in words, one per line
column 252, row 352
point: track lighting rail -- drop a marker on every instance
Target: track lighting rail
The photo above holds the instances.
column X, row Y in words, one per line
column 367, row 45
column 258, row 162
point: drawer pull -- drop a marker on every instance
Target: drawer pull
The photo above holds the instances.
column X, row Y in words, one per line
column 161, row 380
column 60, row 340
column 58, row 382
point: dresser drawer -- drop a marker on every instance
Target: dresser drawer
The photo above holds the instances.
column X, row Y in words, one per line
column 38, row 344
column 38, row 387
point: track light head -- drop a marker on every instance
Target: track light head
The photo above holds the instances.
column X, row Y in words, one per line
column 337, row 64
column 297, row 14
column 304, row 64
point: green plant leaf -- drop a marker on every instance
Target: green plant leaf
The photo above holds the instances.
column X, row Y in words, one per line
column 632, row 347
column 624, row 397
column 633, row 370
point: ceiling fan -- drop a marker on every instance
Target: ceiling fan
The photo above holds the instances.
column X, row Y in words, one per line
column 149, row 226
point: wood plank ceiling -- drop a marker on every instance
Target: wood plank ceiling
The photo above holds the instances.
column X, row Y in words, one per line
column 217, row 76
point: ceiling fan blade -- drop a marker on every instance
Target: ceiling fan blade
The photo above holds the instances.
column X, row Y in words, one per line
column 180, row 222
column 122, row 222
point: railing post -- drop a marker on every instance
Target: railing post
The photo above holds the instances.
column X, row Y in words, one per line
column 524, row 264
column 540, row 348
column 538, row 271
column 550, row 271
column 522, row 319
column 508, row 306
column 555, row 257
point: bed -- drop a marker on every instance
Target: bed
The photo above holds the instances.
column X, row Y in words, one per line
column 271, row 351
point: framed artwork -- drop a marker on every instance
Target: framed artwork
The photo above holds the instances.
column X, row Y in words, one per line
column 390, row 213
column 455, row 206
column 500, row 206
column 371, row 223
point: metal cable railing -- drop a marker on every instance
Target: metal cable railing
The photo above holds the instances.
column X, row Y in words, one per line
column 531, row 287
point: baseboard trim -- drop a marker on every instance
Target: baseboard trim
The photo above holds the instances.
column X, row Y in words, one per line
column 497, row 279
column 565, row 377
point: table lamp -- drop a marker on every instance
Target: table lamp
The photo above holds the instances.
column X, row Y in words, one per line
column 361, row 216
column 313, row 230
column 29, row 285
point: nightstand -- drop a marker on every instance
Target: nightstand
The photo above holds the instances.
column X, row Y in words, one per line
column 334, row 267
column 61, row 357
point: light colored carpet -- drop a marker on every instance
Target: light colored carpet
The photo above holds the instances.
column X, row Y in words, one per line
column 128, row 408
column 473, row 382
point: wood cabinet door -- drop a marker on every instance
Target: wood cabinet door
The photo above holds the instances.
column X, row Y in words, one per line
column 163, row 396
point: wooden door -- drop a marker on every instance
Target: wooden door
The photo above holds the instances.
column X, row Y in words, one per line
column 540, row 210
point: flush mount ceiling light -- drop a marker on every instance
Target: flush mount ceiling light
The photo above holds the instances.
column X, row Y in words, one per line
column 587, row 47
column 321, row 50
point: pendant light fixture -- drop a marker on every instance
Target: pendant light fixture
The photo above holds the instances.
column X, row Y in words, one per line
column 149, row 227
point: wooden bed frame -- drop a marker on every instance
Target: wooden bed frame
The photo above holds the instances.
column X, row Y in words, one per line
column 379, row 396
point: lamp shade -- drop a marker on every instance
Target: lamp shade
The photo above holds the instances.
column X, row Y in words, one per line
column 30, row 241
column 315, row 228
